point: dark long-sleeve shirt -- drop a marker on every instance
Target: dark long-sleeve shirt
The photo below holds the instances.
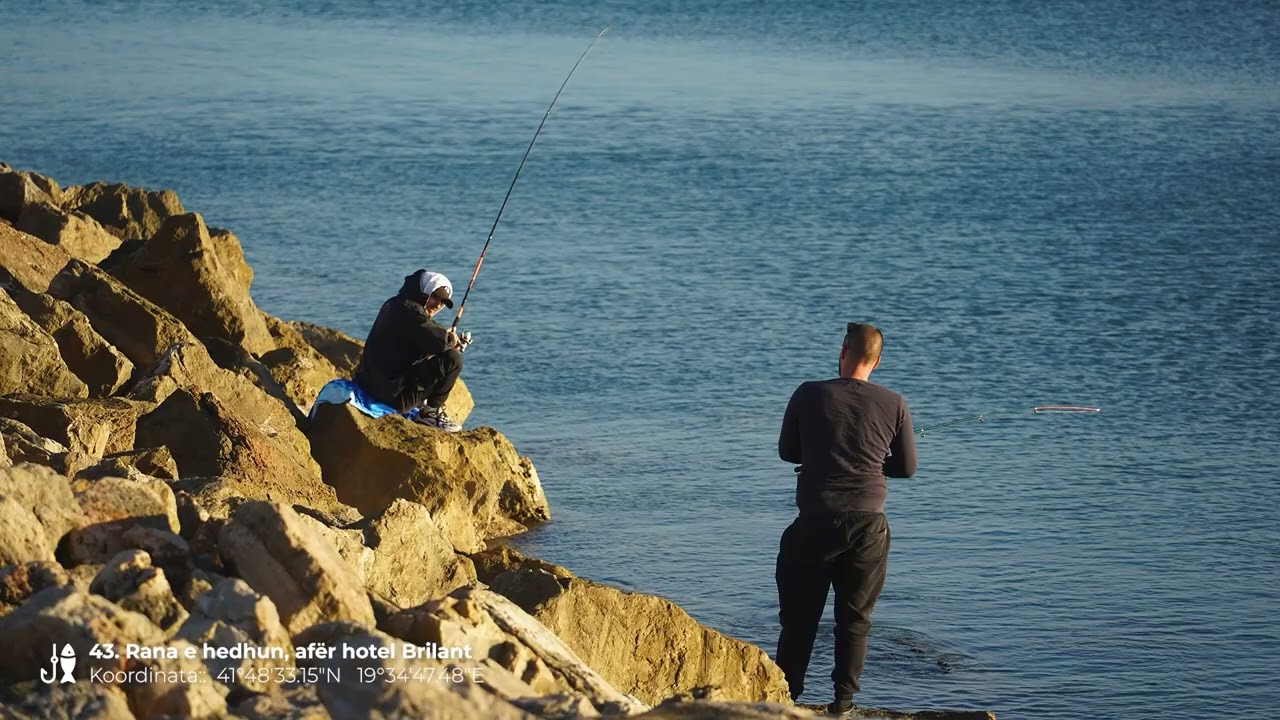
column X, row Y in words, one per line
column 402, row 335
column 846, row 435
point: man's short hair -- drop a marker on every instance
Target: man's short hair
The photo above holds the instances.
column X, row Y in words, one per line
column 864, row 342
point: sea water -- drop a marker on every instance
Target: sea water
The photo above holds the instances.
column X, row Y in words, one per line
column 1067, row 202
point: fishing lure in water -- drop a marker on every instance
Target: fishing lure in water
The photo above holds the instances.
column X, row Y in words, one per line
column 1037, row 409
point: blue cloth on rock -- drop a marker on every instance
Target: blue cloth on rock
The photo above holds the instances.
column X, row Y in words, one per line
column 341, row 392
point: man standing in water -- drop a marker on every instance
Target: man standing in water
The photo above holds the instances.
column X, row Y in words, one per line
column 409, row 360
column 846, row 435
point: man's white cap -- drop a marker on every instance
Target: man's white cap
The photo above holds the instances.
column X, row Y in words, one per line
column 434, row 283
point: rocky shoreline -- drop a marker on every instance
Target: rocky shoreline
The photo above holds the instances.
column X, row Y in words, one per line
column 182, row 537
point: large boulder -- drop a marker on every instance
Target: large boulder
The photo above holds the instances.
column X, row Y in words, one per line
column 28, row 261
column 95, row 427
column 426, row 692
column 278, row 555
column 29, row 357
column 72, row 701
column 337, row 347
column 187, row 366
column 18, row 189
column 182, row 270
column 87, row 354
column 652, row 650
column 208, row 440
column 19, row 582
column 22, row 444
column 231, row 615
column 130, row 581
column 133, row 212
column 412, row 560
column 501, row 635
column 37, row 509
column 63, row 616
column 473, row 483
column 134, row 325
column 115, row 510
column 76, row 233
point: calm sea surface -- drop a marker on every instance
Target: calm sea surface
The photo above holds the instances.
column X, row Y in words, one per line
column 1066, row 202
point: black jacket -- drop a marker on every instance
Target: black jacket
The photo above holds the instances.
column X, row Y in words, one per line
column 401, row 336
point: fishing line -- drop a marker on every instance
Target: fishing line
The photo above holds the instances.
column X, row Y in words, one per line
column 1036, row 409
column 480, row 261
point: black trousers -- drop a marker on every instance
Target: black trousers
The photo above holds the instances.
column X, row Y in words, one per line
column 430, row 380
column 849, row 551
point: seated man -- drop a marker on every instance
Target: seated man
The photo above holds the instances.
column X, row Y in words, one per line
column 409, row 360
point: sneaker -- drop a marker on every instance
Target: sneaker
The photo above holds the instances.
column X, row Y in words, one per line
column 838, row 710
column 436, row 418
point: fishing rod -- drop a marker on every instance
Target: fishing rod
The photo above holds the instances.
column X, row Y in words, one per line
column 458, row 316
column 1036, row 409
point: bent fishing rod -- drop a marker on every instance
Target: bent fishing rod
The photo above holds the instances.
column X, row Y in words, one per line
column 458, row 316
column 1035, row 409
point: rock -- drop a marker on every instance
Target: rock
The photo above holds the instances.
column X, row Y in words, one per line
column 29, row 357
column 300, row 703
column 129, row 580
column 152, row 462
column 99, row 365
column 135, row 213
column 79, row 701
column 181, row 270
column 653, row 648
column 23, row 444
column 138, row 328
column 169, row 552
column 300, row 373
column 28, row 261
column 340, row 349
column 20, row 582
column 21, row 537
column 347, row 541
column 461, row 478
column 689, row 709
column 501, row 635
column 177, row 686
column 189, row 367
column 112, row 507
column 20, row 189
column 95, row 427
column 208, row 440
column 270, row 547
column 231, row 615
column 61, row 616
column 412, row 559
column 39, row 495
column 5, row 461
column 428, row 697
column 79, row 235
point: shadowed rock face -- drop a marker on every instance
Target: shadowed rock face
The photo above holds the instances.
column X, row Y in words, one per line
column 28, row 261
column 207, row 439
column 87, row 354
column 134, row 325
column 652, row 649
column 280, row 556
column 133, row 212
column 76, row 233
column 201, row 283
column 461, row 478
column 29, row 357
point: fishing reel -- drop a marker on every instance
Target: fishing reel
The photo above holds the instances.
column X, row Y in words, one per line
column 464, row 339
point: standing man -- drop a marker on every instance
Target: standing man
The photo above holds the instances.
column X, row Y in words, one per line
column 409, row 360
column 846, row 435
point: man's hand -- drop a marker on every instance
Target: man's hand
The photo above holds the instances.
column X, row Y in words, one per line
column 458, row 340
